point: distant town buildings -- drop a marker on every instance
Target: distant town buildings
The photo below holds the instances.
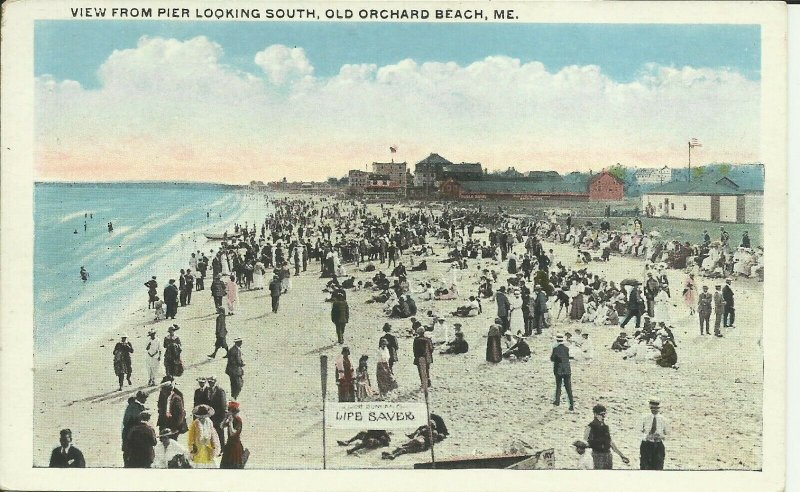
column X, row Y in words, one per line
column 648, row 176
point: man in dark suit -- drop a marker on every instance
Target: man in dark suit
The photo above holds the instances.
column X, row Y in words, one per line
column 275, row 292
column 539, row 308
column 340, row 315
column 633, row 307
column 503, row 309
column 727, row 296
column 234, row 368
column 66, row 455
column 215, row 396
column 561, row 368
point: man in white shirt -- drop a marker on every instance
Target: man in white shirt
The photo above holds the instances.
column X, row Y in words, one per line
column 654, row 431
column 585, row 461
column 167, row 449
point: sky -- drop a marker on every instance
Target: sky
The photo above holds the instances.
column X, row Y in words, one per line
column 236, row 101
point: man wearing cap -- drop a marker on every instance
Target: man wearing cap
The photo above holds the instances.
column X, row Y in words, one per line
column 730, row 313
column 153, row 351
column 234, row 368
column 171, row 298
column 584, row 459
column 218, row 290
column 562, row 371
column 704, row 302
column 167, row 449
column 221, row 332
column 598, row 436
column 66, row 455
column 654, row 431
column 200, row 393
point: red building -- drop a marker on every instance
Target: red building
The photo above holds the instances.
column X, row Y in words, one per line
column 605, row 186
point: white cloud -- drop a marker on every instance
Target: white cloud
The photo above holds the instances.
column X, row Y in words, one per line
column 282, row 64
column 169, row 106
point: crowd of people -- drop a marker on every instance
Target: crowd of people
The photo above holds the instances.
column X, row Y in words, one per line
column 356, row 246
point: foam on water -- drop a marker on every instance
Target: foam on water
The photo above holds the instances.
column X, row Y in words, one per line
column 156, row 228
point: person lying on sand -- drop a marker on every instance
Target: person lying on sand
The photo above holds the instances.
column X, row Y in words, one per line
column 371, row 439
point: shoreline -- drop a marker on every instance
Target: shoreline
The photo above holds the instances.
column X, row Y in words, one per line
column 481, row 403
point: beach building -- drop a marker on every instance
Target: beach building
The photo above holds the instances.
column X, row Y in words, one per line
column 428, row 171
column 396, row 172
column 714, row 197
column 544, row 186
column 462, row 171
column 357, row 181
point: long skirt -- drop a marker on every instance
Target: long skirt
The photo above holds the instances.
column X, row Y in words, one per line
column 493, row 350
column 346, row 391
column 577, row 310
column 232, row 454
column 385, row 378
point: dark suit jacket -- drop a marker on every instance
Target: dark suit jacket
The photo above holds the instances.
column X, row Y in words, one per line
column 235, row 364
column 221, row 329
column 171, row 293
column 73, row 459
column 503, row 306
column 218, row 402
column 727, row 295
column 560, row 358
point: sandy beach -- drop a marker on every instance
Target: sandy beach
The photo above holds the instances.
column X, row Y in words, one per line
column 716, row 394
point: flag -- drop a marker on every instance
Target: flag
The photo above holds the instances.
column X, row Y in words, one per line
column 695, row 143
column 393, row 149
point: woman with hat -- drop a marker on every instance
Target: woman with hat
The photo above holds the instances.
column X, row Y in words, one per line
column 232, row 452
column 122, row 360
column 153, row 350
column 167, row 450
column 172, row 353
column 345, row 376
column 203, row 438
column 138, row 446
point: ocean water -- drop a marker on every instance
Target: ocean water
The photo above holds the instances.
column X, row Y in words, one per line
column 156, row 228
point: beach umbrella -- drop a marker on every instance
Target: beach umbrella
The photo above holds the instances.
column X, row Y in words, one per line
column 588, row 223
column 629, row 281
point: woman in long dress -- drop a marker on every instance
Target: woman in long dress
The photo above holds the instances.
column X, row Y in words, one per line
column 203, row 439
column 493, row 351
column 662, row 307
column 690, row 293
column 258, row 276
column 383, row 374
column 364, row 388
column 576, row 309
column 233, row 451
column 232, row 291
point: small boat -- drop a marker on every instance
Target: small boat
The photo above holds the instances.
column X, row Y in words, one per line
column 220, row 237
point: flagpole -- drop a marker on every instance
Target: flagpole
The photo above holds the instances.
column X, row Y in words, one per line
column 323, row 368
column 423, row 365
column 690, row 161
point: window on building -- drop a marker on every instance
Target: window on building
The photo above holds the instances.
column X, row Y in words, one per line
column 672, row 206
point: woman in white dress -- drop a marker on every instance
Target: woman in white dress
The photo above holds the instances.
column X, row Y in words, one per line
column 663, row 307
column 258, row 276
column 232, row 291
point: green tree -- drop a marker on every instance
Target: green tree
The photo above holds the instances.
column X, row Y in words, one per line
column 725, row 169
column 697, row 173
column 618, row 171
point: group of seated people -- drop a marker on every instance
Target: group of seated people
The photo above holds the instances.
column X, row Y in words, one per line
column 652, row 342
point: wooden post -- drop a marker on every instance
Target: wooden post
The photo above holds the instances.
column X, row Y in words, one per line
column 323, row 370
column 423, row 375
